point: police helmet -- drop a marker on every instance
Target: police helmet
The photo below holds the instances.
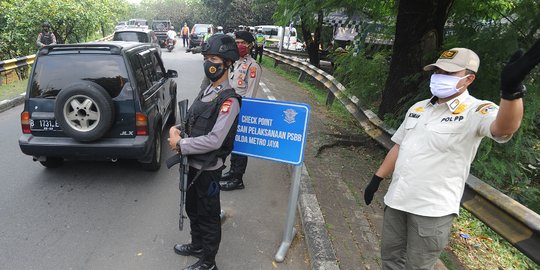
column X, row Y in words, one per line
column 45, row 24
column 221, row 45
column 172, row 27
column 246, row 36
column 220, row 28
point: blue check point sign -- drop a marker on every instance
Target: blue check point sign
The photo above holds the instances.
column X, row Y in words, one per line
column 274, row 130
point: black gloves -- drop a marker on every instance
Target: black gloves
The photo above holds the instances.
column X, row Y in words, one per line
column 371, row 188
column 515, row 71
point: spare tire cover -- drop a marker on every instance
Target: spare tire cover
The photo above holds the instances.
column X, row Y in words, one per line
column 84, row 110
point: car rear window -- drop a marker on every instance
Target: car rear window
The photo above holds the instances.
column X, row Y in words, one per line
column 52, row 73
column 131, row 36
column 202, row 28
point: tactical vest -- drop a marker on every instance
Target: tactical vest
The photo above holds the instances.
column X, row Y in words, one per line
column 46, row 38
column 202, row 117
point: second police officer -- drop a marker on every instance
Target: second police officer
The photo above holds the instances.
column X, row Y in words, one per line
column 45, row 37
column 211, row 125
column 245, row 80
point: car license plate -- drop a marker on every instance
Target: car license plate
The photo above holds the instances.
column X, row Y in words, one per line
column 44, row 125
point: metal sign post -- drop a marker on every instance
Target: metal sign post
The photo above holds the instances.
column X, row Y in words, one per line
column 275, row 130
column 289, row 231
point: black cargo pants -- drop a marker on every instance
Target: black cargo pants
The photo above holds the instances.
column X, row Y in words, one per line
column 238, row 165
column 203, row 210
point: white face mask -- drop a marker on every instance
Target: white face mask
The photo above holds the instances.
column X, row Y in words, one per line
column 443, row 86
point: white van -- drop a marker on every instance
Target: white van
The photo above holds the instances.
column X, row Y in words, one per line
column 273, row 34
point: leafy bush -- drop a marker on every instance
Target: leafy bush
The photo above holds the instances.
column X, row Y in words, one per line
column 363, row 76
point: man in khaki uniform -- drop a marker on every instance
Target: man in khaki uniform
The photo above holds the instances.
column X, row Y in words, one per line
column 245, row 80
column 434, row 148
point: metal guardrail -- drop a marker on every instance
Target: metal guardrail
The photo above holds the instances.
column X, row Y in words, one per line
column 517, row 224
column 29, row 59
column 16, row 62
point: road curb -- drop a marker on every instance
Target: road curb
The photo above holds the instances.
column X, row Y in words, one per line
column 320, row 249
column 10, row 103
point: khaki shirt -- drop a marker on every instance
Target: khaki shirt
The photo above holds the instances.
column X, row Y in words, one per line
column 214, row 139
column 246, row 77
column 438, row 142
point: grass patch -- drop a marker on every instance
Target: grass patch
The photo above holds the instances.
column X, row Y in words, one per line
column 445, row 258
column 12, row 90
column 479, row 247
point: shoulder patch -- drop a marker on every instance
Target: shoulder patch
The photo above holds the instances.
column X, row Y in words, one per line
column 486, row 108
column 252, row 72
column 226, row 106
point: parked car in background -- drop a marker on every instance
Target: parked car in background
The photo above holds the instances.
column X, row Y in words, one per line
column 137, row 35
column 142, row 23
column 98, row 101
column 161, row 27
column 197, row 33
column 120, row 25
column 274, row 33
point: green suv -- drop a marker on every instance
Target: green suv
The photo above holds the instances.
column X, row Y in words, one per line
column 98, row 101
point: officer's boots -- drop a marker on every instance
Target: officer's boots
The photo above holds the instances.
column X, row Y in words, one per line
column 231, row 181
column 200, row 265
column 188, row 250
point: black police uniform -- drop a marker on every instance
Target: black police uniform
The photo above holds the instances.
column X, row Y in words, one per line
column 202, row 198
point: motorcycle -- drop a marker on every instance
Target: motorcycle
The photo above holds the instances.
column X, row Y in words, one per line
column 170, row 44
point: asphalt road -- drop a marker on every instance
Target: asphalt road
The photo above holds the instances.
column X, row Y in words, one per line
column 103, row 215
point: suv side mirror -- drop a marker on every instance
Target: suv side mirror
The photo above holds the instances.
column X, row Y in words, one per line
column 172, row 73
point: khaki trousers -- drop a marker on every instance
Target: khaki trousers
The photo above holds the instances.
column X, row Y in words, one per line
column 411, row 241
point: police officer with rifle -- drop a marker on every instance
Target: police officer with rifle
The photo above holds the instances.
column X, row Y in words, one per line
column 206, row 140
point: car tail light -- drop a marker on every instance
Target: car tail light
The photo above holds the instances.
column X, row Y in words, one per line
column 25, row 122
column 141, row 123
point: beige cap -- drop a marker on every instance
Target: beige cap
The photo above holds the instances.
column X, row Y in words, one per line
column 455, row 60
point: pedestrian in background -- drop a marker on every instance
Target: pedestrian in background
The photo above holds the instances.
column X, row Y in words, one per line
column 220, row 30
column 259, row 43
column 435, row 146
column 185, row 35
column 45, row 37
column 210, row 128
column 245, row 80
column 206, row 35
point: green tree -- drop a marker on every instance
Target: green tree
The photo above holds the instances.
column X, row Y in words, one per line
column 419, row 31
column 71, row 21
column 310, row 14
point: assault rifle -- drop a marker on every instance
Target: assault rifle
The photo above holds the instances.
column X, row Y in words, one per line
column 182, row 160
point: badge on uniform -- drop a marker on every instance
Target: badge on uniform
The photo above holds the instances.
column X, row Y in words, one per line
column 252, row 72
column 240, row 82
column 225, row 108
column 486, row 108
column 244, row 66
column 461, row 108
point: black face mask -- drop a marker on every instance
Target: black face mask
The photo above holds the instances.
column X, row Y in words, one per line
column 213, row 71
